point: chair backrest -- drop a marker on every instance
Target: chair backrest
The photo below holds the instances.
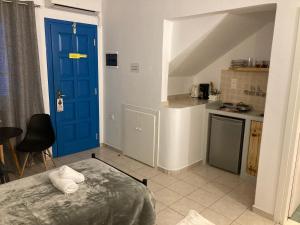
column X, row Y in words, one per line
column 40, row 127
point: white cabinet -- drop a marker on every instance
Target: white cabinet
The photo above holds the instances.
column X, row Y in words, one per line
column 181, row 142
column 139, row 135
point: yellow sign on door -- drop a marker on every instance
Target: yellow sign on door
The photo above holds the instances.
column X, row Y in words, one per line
column 77, row 56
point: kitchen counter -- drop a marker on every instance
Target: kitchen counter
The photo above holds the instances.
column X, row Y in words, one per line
column 214, row 108
column 183, row 101
column 186, row 120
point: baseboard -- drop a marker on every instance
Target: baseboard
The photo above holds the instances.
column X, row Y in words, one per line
column 112, row 148
column 262, row 213
column 174, row 172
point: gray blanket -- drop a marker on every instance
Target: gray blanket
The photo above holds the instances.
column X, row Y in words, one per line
column 107, row 197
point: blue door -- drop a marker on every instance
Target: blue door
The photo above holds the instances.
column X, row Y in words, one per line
column 73, row 85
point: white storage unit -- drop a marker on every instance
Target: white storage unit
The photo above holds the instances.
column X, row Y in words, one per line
column 139, row 134
column 182, row 137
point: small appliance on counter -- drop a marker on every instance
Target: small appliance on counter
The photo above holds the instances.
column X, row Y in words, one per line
column 204, row 91
column 195, row 91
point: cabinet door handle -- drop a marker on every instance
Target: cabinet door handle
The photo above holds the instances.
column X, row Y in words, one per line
column 254, row 135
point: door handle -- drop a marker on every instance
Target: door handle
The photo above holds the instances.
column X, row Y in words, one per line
column 59, row 94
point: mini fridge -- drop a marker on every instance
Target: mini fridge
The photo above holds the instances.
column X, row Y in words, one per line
column 225, row 143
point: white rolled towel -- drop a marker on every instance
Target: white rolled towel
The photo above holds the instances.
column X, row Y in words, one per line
column 68, row 173
column 67, row 186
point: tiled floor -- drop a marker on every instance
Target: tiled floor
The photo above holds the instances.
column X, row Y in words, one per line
column 221, row 197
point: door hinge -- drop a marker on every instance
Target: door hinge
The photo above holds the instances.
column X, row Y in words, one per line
column 96, row 91
column 97, row 136
column 74, row 26
column 95, row 42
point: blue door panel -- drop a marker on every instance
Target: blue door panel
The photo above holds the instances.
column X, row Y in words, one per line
column 77, row 127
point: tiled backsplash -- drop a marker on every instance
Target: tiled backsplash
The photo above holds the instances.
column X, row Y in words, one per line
column 247, row 87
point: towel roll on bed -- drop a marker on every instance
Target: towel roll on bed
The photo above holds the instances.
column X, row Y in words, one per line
column 67, row 186
column 68, row 173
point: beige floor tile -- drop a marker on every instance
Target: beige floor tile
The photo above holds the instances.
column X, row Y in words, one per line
column 164, row 179
column 196, row 180
column 183, row 174
column 203, row 197
column 167, row 196
column 182, row 188
column 216, row 188
column 184, row 205
column 168, row 217
column 229, row 207
column 244, row 199
column 235, row 223
column 159, row 207
column 121, row 159
column 216, row 218
column 107, row 153
column 118, row 164
column 250, row 218
column 245, row 188
column 209, row 172
column 148, row 172
column 135, row 165
column 136, row 175
column 153, row 186
column 229, row 180
column 106, row 156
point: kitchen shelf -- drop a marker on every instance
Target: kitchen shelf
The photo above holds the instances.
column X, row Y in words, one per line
column 250, row 69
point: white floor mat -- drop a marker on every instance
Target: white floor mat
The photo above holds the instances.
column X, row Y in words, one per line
column 194, row 218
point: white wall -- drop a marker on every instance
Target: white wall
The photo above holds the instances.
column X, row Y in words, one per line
column 220, row 37
column 135, row 29
column 188, row 30
column 41, row 13
column 258, row 46
column 179, row 85
column 295, row 198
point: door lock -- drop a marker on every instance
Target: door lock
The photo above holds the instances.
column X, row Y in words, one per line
column 59, row 101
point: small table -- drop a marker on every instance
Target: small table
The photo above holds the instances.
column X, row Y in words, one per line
column 6, row 134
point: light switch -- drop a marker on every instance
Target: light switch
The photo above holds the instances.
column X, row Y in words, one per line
column 233, row 84
column 135, row 67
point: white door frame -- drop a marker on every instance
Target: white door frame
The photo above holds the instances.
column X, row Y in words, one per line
column 290, row 141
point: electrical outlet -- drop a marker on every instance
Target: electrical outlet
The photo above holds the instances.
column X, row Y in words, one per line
column 233, row 84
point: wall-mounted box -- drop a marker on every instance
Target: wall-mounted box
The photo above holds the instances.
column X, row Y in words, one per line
column 112, row 59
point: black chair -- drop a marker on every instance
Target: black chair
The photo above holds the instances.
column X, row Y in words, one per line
column 39, row 138
column 4, row 178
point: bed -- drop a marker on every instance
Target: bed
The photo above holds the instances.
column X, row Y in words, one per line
column 107, row 197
